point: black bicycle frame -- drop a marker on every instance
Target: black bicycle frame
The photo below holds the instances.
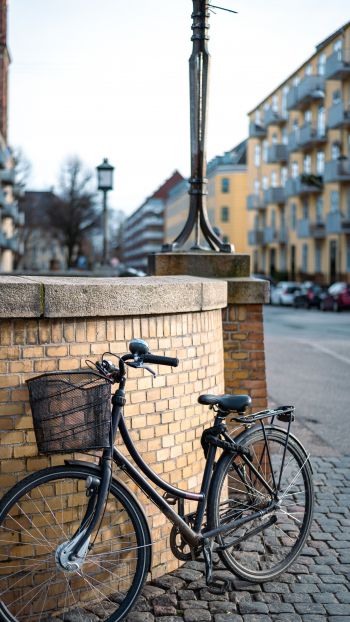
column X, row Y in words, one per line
column 193, row 536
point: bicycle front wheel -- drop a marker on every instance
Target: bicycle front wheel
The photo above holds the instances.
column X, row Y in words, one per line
column 266, row 546
column 38, row 517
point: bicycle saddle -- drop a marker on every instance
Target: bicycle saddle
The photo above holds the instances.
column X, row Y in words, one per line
column 227, row 402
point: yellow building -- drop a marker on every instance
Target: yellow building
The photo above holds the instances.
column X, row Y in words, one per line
column 299, row 170
column 227, row 191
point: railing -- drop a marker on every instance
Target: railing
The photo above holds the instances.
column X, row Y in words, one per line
column 317, row 229
column 293, row 141
column 269, row 235
column 338, row 65
column 337, row 170
column 303, row 228
column 338, row 116
column 304, row 184
column 311, row 88
column 272, row 117
column 255, row 201
column 309, row 136
column 255, row 237
column 337, row 223
column 256, row 130
column 277, row 153
column 275, row 195
column 7, row 176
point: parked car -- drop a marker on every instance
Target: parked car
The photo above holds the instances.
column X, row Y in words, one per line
column 336, row 298
column 283, row 293
column 308, row 296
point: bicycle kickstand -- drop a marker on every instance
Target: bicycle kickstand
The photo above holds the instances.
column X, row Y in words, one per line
column 218, row 585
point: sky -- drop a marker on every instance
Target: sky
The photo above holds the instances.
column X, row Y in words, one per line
column 109, row 78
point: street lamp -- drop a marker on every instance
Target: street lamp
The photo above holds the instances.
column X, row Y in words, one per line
column 105, row 183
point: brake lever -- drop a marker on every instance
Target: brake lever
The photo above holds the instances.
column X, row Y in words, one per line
column 140, row 365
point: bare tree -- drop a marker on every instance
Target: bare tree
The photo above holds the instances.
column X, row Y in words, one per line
column 74, row 214
column 22, row 167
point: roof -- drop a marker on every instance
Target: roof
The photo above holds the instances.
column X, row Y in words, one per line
column 236, row 156
column 319, row 47
column 165, row 188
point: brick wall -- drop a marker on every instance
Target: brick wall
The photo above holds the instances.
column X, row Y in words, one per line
column 163, row 415
column 243, row 334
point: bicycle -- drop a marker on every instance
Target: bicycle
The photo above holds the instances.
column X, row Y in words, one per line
column 75, row 541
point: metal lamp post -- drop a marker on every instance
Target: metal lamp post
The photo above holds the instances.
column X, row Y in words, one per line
column 105, row 183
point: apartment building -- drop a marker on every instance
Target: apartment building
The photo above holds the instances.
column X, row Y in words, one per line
column 144, row 228
column 299, row 170
column 226, row 200
column 10, row 218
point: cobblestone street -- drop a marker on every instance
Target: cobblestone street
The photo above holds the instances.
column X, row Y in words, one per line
column 317, row 588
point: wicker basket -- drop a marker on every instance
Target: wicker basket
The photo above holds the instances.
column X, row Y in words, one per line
column 71, row 411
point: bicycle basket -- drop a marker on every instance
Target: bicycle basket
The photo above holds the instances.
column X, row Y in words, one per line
column 71, row 411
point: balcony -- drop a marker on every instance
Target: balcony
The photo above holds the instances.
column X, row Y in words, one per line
column 338, row 117
column 310, row 89
column 256, row 130
column 3, row 240
column 254, row 201
column 304, row 184
column 255, row 237
column 337, row 171
column 317, row 230
column 338, row 65
column 310, row 137
column 337, row 223
column 277, row 153
column 282, row 235
column 303, row 228
column 293, row 141
column 274, row 195
column 269, row 235
column 7, row 176
column 273, row 117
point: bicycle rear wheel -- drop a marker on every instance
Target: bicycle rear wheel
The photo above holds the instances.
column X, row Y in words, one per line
column 265, row 547
column 37, row 517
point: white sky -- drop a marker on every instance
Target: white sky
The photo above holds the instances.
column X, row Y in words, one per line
column 109, row 78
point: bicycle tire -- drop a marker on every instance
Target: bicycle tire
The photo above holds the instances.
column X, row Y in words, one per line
column 265, row 555
column 36, row 517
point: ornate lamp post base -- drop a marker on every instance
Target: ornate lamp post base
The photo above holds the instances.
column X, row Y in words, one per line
column 199, row 69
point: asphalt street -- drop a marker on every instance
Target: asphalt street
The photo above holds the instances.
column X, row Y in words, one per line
column 308, row 365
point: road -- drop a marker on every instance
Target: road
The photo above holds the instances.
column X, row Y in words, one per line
column 308, row 365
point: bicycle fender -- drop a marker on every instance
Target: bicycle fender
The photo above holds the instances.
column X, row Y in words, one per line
column 96, row 467
column 239, row 438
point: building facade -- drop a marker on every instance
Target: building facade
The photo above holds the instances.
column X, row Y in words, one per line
column 227, row 190
column 299, row 170
column 11, row 219
column 144, row 228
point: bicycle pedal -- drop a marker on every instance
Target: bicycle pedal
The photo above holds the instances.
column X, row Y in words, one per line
column 220, row 586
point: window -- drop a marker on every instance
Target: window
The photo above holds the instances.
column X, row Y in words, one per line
column 295, row 169
column 348, row 255
column 284, row 175
column 225, row 185
column 265, row 150
column 265, row 182
column 256, row 186
column 307, row 116
column 225, row 215
column 321, row 121
column 257, row 117
column 348, row 204
column 284, row 136
column 335, row 151
column 304, row 257
column 273, row 220
column 293, row 216
column 275, row 103
column 338, row 47
column 318, row 258
column 225, row 239
column 321, row 62
column 257, row 154
column 296, row 81
column 274, row 179
column 319, row 209
column 308, row 70
column 305, row 209
column 334, row 201
column 307, row 164
column 336, row 96
column 320, row 163
column 284, row 101
column 274, row 138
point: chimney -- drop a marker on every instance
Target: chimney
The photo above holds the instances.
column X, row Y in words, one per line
column 4, row 64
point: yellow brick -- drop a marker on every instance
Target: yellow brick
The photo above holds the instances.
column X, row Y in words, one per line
column 24, row 423
column 45, row 365
column 68, row 364
column 69, row 331
column 12, row 438
column 5, row 333
column 56, row 351
column 21, row 366
column 9, row 381
column 20, row 451
column 81, row 349
column 33, row 352
column 56, row 331
column 99, row 348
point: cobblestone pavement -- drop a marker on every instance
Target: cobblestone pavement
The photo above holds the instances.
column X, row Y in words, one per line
column 316, row 589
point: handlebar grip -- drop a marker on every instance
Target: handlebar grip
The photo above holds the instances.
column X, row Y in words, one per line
column 160, row 360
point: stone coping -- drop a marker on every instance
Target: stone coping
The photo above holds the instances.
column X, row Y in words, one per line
column 55, row 297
